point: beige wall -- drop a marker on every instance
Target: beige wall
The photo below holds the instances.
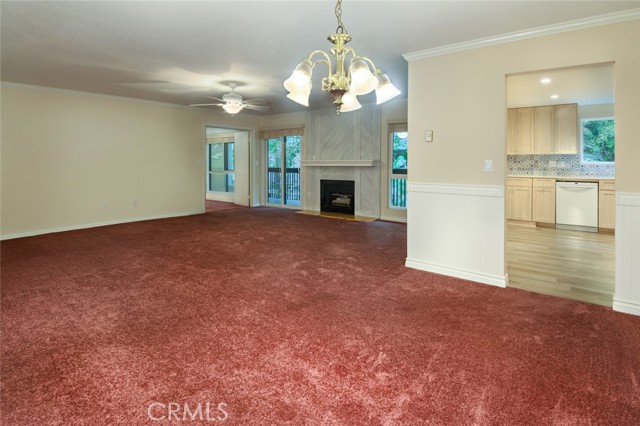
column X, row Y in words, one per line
column 66, row 154
column 284, row 121
column 462, row 97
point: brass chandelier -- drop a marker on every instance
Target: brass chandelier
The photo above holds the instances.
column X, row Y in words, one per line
column 344, row 86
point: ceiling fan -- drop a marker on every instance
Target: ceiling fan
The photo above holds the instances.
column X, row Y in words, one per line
column 233, row 103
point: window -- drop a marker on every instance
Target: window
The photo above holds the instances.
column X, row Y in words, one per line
column 598, row 140
column 398, row 162
column 221, row 161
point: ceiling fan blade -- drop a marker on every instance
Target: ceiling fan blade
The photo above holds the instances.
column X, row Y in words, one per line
column 255, row 101
column 257, row 107
column 206, row 104
column 217, row 99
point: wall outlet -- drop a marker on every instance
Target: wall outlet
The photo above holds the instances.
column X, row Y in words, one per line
column 104, row 205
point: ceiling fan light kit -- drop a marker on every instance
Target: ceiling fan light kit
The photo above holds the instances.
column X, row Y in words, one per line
column 344, row 86
column 233, row 103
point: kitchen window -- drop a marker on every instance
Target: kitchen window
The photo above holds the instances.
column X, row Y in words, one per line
column 598, row 140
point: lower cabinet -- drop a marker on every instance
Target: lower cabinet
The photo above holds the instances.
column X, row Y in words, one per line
column 607, row 205
column 544, row 201
column 519, row 199
column 534, row 200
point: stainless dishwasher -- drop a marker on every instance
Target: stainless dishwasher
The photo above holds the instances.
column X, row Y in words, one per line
column 577, row 205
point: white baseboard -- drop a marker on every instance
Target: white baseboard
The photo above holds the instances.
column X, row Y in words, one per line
column 94, row 225
column 467, row 275
column 626, row 306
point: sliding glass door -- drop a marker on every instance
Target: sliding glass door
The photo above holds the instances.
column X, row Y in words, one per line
column 283, row 171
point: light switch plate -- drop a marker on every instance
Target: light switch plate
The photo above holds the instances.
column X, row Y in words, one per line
column 488, row 165
column 428, row 136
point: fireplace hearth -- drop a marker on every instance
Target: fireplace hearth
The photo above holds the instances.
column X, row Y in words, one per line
column 337, row 196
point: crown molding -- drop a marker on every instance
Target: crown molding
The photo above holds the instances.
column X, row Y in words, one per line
column 594, row 21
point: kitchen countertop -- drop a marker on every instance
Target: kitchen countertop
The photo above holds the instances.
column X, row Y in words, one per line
column 566, row 178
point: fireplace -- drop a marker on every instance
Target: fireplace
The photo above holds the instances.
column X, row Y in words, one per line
column 337, row 196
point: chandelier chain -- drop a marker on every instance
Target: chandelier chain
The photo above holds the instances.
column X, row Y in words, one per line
column 341, row 28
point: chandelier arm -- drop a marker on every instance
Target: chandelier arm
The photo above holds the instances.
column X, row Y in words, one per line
column 348, row 50
column 326, row 59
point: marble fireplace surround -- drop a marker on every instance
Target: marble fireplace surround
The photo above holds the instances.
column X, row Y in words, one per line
column 343, row 147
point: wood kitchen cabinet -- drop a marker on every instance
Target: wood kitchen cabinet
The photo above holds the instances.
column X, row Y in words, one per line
column 566, row 129
column 544, row 133
column 548, row 129
column 607, row 205
column 520, row 130
column 519, row 198
column 544, row 201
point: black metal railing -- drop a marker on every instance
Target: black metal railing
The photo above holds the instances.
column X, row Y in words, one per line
column 398, row 192
column 291, row 184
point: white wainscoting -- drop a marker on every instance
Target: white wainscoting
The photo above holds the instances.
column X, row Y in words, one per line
column 627, row 295
column 457, row 230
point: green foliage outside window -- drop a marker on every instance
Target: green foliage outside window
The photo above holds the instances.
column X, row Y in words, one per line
column 400, row 157
column 399, row 164
column 598, row 140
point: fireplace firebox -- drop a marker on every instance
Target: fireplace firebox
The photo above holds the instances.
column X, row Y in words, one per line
column 337, row 196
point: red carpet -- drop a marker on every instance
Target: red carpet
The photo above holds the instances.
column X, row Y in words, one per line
column 214, row 206
column 274, row 318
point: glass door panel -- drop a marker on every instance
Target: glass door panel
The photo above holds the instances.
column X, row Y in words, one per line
column 274, row 171
column 292, row 172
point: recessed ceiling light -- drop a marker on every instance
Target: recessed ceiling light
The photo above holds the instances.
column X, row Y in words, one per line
column 555, row 96
column 545, row 80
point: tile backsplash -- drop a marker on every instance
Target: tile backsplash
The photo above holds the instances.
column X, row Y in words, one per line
column 556, row 165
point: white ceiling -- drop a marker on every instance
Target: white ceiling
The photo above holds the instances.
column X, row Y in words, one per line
column 182, row 51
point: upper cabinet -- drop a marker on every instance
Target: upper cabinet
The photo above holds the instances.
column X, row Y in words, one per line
column 566, row 129
column 520, row 124
column 549, row 129
column 544, row 129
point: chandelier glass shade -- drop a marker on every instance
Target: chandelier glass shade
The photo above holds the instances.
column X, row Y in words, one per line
column 346, row 79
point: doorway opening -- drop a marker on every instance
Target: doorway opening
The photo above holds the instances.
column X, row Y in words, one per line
column 546, row 115
column 227, row 167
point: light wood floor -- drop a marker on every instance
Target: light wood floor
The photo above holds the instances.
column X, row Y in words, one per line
column 572, row 264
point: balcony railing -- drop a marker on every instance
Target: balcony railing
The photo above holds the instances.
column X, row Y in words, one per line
column 291, row 184
column 398, row 192
column 398, row 187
